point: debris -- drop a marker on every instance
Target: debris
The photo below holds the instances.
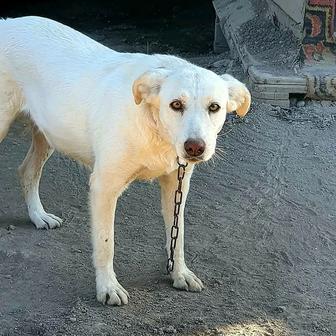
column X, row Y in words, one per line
column 280, row 309
column 169, row 330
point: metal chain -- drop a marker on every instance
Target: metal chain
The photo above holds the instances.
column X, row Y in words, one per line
column 177, row 206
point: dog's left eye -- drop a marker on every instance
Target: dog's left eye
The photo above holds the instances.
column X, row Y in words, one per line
column 214, row 107
column 177, row 105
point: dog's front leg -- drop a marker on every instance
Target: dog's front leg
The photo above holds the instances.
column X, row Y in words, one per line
column 105, row 188
column 182, row 277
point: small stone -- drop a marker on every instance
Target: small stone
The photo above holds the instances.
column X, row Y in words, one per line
column 301, row 103
column 11, row 227
column 276, row 108
column 220, row 63
column 280, row 309
column 199, row 321
column 73, row 319
column 305, row 144
column 169, row 330
column 127, row 325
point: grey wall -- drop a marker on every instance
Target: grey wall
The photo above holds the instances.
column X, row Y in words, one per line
column 289, row 13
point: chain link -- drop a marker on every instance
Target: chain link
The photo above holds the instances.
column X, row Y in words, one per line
column 177, row 206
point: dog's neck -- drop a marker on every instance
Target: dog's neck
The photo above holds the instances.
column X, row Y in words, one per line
column 158, row 155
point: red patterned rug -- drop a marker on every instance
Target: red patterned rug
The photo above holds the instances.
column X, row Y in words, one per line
column 319, row 24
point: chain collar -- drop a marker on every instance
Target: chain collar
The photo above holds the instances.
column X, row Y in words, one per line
column 177, row 206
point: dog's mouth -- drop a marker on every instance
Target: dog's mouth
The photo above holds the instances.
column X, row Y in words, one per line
column 193, row 159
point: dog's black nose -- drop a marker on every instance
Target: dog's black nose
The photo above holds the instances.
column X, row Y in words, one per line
column 194, row 147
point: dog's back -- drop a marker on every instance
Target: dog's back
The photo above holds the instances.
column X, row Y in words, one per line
column 34, row 46
column 42, row 64
column 41, row 35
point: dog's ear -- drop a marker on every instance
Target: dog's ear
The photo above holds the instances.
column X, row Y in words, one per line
column 148, row 85
column 239, row 96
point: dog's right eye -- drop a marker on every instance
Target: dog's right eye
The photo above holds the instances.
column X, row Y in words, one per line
column 177, row 105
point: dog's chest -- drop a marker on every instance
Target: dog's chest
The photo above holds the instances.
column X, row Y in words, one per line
column 155, row 165
column 150, row 174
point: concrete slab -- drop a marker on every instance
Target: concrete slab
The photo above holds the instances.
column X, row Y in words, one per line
column 271, row 56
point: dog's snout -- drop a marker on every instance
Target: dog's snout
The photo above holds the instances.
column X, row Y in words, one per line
column 194, row 147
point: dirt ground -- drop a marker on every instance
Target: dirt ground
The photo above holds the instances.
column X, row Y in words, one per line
column 260, row 229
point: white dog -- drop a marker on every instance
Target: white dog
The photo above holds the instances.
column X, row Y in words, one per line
column 126, row 116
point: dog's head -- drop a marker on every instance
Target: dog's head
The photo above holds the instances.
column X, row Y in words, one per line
column 191, row 103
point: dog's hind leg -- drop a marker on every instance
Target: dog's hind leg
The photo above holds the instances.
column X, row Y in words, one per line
column 30, row 173
column 6, row 120
column 10, row 103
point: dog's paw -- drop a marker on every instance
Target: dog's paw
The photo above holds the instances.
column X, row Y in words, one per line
column 43, row 220
column 186, row 280
column 110, row 292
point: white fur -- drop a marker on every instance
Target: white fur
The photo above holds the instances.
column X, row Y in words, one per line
column 110, row 111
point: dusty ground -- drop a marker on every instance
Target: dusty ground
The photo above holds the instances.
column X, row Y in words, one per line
column 260, row 232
